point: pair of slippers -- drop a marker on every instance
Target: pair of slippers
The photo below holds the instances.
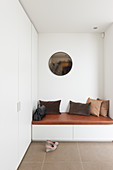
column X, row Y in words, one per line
column 51, row 146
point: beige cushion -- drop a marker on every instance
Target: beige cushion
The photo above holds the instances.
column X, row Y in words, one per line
column 95, row 106
column 104, row 109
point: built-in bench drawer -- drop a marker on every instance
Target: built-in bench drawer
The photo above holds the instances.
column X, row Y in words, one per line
column 52, row 132
column 72, row 132
column 93, row 132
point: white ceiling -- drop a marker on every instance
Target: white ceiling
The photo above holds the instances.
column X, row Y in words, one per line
column 69, row 16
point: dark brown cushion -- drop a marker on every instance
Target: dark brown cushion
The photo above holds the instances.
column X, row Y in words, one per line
column 79, row 108
column 52, row 107
column 104, row 109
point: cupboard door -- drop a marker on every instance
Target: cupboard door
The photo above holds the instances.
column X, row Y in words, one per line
column 34, row 66
column 93, row 132
column 8, row 85
column 52, row 132
column 24, row 82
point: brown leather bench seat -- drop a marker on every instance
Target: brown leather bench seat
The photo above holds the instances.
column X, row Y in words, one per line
column 68, row 119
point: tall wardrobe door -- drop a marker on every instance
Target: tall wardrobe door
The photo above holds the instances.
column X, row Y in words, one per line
column 34, row 67
column 8, row 85
column 24, row 82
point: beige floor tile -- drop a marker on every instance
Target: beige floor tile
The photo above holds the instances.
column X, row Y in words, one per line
column 30, row 166
column 36, row 153
column 107, row 166
column 64, row 152
column 96, row 152
column 98, row 166
column 73, row 166
column 62, row 166
column 91, row 166
column 37, row 145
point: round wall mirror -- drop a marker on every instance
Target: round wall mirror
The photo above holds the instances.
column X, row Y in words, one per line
column 60, row 63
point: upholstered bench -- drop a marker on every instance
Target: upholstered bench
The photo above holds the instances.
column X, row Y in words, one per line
column 66, row 127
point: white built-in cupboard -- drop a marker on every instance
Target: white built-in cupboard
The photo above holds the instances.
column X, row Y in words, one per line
column 18, row 81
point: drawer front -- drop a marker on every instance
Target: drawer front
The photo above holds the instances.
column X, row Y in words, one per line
column 52, row 132
column 93, row 132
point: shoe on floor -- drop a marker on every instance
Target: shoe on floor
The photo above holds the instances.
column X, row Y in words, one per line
column 52, row 143
column 50, row 147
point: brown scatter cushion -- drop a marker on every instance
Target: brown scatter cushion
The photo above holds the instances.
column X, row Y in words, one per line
column 95, row 106
column 52, row 107
column 79, row 108
column 104, row 109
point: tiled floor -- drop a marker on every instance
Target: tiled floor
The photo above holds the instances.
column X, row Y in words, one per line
column 69, row 156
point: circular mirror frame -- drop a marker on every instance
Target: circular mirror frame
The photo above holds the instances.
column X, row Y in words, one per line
column 60, row 63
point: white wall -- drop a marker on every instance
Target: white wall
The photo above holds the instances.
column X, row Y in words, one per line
column 86, row 77
column 108, row 67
